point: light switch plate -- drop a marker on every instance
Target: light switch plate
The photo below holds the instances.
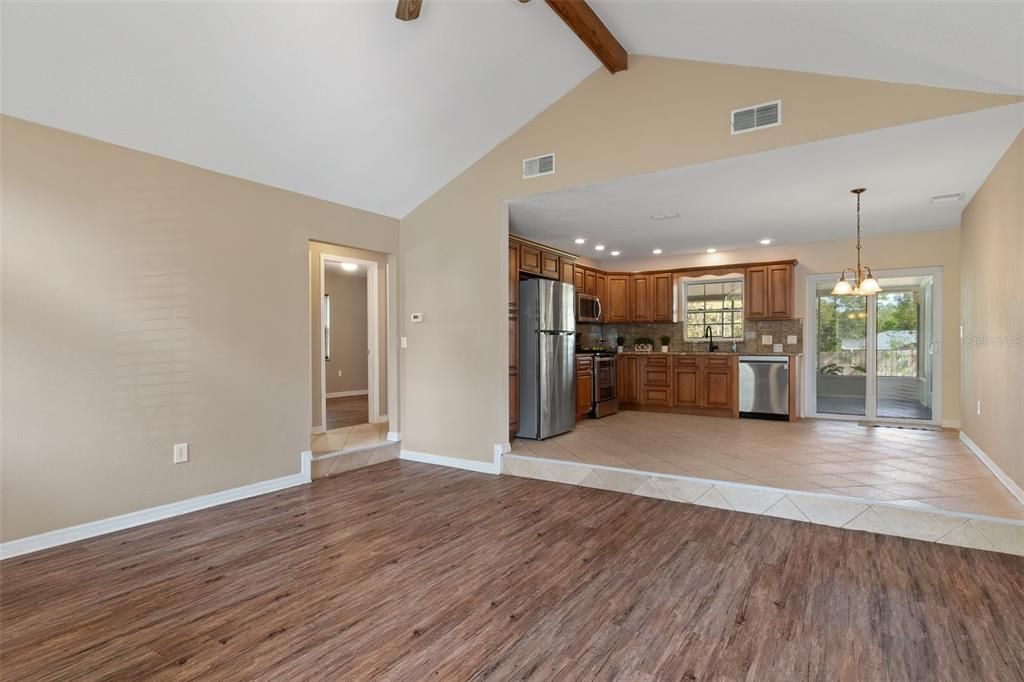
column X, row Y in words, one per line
column 416, row 317
column 405, row 344
column 766, row 340
column 777, row 348
column 180, row 453
column 791, row 339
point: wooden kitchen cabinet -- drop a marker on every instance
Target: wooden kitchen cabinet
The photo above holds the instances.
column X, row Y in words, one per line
column 529, row 259
column 656, row 382
column 513, row 276
column 717, row 383
column 584, row 386
column 627, row 379
column 579, row 276
column 568, row 271
column 640, row 299
column 589, row 282
column 617, row 309
column 602, row 288
column 661, row 297
column 686, row 381
column 769, row 292
column 513, row 404
column 550, row 265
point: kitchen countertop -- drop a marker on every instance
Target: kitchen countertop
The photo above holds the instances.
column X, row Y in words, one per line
column 704, row 352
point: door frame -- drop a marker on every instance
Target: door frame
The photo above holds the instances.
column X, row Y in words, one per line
column 810, row 403
column 372, row 337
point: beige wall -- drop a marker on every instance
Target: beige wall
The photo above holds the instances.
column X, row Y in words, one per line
column 659, row 114
column 992, row 305
column 348, row 332
column 388, row 391
column 146, row 303
column 891, row 251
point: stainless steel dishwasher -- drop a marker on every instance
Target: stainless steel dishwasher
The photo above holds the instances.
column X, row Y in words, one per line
column 764, row 386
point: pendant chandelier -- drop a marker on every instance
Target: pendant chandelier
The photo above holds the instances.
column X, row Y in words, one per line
column 864, row 283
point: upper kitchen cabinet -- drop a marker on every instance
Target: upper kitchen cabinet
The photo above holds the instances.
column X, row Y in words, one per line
column 550, row 265
column 602, row 287
column 568, row 271
column 661, row 297
column 618, row 299
column 513, row 276
column 529, row 259
column 769, row 291
column 640, row 299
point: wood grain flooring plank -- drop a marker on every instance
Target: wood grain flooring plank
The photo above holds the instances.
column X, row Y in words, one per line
column 407, row 571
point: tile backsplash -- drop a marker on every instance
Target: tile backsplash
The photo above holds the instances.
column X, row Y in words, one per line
column 605, row 334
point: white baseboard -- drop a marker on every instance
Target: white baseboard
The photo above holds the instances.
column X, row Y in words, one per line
column 394, row 436
column 345, row 394
column 83, row 531
column 1007, row 482
column 951, row 423
column 379, row 420
column 492, row 467
column 501, row 449
column 316, row 430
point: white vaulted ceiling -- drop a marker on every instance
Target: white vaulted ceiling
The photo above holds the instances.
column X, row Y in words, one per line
column 343, row 102
column 972, row 45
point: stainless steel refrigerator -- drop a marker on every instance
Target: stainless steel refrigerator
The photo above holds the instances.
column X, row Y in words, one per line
column 547, row 358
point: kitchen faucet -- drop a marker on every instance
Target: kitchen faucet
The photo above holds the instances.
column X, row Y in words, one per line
column 710, row 336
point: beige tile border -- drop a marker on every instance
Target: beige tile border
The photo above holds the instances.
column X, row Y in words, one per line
column 346, row 460
column 932, row 525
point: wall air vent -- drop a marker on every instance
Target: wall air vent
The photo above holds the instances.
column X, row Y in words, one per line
column 767, row 115
column 947, row 198
column 538, row 165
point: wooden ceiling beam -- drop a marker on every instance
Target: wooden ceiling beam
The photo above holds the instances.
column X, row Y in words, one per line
column 408, row 10
column 585, row 23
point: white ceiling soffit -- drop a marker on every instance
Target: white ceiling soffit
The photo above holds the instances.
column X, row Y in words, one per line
column 791, row 195
column 970, row 45
column 335, row 100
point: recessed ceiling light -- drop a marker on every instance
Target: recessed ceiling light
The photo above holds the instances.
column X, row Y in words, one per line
column 580, row 240
column 656, row 252
column 351, row 267
column 599, row 247
column 766, row 242
column 616, row 253
column 712, row 250
column 947, row 198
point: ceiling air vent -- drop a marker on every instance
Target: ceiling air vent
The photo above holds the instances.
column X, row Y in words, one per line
column 759, row 116
column 539, row 165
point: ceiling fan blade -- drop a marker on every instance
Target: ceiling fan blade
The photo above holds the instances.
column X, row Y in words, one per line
column 408, row 10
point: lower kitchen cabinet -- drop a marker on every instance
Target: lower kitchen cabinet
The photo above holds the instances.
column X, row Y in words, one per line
column 584, row 386
column 686, row 382
column 718, row 383
column 627, row 379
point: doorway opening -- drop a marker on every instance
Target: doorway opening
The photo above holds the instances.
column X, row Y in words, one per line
column 876, row 358
column 348, row 401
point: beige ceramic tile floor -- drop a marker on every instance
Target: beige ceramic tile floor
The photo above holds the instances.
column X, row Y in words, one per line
column 915, row 468
column 348, row 438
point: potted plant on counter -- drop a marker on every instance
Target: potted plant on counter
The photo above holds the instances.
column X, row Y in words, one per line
column 620, row 341
column 665, row 340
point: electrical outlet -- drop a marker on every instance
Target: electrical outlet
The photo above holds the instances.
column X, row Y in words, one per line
column 979, row 408
column 405, row 344
column 777, row 348
column 766, row 340
column 339, row 372
column 791, row 339
column 180, row 453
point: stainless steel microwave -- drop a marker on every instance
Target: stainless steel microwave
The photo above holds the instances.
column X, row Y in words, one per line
column 588, row 308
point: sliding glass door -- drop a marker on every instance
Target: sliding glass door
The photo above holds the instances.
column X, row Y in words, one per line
column 875, row 358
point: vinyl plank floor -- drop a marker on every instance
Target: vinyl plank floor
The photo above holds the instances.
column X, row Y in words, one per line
column 409, row 571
